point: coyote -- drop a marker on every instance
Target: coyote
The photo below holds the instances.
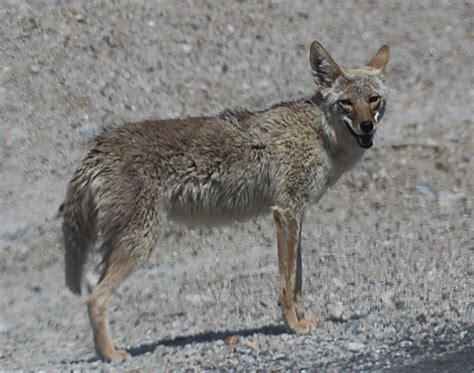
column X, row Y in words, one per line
column 227, row 167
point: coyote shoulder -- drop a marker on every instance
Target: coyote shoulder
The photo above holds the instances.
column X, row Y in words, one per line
column 216, row 169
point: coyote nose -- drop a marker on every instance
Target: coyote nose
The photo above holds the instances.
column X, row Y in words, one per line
column 367, row 126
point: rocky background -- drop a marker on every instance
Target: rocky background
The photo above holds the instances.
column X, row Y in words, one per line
column 388, row 253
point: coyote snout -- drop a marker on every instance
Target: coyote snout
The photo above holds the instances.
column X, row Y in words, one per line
column 220, row 168
column 361, row 117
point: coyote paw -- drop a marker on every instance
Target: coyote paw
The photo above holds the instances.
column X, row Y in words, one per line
column 294, row 324
column 303, row 326
column 299, row 309
column 115, row 355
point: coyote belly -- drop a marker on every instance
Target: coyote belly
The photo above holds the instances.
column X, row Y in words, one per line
column 218, row 169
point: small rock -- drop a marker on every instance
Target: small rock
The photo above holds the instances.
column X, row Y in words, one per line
column 198, row 298
column 264, row 83
column 23, row 249
column 3, row 96
column 231, row 340
column 355, row 346
column 143, row 86
column 421, row 317
column 404, row 344
column 16, row 136
column 129, row 106
column 336, row 311
column 4, row 327
column 253, row 345
column 337, row 282
column 451, row 201
column 387, row 297
column 160, row 271
column 34, row 69
column 444, row 309
column 452, row 136
column 36, row 288
column 427, row 190
column 80, row 17
column 186, row 48
column 124, row 73
column 23, row 232
column 87, row 133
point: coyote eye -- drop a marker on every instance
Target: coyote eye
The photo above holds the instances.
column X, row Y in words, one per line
column 345, row 102
column 374, row 99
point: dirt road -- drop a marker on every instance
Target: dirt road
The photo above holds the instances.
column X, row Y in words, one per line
column 388, row 253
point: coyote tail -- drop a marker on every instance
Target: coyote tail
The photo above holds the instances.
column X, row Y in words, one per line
column 78, row 212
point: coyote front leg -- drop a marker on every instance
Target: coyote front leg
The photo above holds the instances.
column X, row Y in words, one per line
column 287, row 230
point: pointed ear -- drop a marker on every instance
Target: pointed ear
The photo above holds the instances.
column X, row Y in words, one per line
column 380, row 60
column 325, row 69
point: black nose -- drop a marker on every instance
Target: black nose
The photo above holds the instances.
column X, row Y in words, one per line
column 367, row 126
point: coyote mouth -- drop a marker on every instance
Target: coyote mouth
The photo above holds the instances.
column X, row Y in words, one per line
column 364, row 141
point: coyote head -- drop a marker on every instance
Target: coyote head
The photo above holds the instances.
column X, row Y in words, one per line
column 356, row 96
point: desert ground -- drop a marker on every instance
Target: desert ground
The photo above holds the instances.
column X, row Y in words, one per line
column 388, row 252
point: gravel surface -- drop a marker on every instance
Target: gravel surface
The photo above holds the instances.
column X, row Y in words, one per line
column 388, row 253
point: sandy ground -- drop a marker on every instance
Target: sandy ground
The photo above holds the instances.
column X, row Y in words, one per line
column 388, row 253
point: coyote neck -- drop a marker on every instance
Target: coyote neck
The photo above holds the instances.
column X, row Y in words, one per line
column 343, row 149
column 310, row 124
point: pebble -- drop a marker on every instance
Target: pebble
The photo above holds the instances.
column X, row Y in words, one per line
column 231, row 340
column 198, row 298
column 16, row 136
column 186, row 48
column 337, row 282
column 427, row 190
column 451, row 201
column 404, row 344
column 23, row 232
column 160, row 271
column 3, row 96
column 355, row 346
column 253, row 345
column 88, row 133
column 387, row 297
column 4, row 327
column 123, row 73
column 336, row 311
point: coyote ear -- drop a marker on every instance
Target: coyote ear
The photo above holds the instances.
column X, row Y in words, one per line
column 325, row 69
column 380, row 60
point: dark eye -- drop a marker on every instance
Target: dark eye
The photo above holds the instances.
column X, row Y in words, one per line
column 374, row 99
column 346, row 102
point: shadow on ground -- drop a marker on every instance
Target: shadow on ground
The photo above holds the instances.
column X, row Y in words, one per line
column 210, row 336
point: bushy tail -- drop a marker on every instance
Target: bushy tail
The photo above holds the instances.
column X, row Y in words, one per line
column 79, row 223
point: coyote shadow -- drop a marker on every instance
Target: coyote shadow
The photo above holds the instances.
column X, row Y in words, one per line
column 210, row 336
column 203, row 337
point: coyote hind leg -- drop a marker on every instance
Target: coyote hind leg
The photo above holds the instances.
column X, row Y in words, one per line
column 123, row 257
column 299, row 305
column 281, row 233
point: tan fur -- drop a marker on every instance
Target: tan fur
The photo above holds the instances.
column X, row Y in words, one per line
column 217, row 169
